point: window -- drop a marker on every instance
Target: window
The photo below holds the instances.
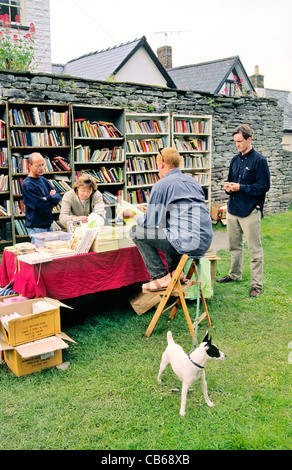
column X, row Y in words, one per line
column 11, row 8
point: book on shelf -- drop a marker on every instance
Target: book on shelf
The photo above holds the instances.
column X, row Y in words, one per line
column 139, row 196
column 4, row 186
column 141, row 164
column 146, row 126
column 95, row 129
column 3, row 211
column 60, row 163
column 188, row 126
column 2, row 129
column 145, row 145
column 20, row 228
column 191, row 144
column 37, row 117
column 4, row 156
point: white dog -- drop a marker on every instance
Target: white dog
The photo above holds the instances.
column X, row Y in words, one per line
column 189, row 367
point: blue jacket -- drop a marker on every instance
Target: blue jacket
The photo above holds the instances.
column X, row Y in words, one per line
column 38, row 211
column 251, row 171
column 177, row 204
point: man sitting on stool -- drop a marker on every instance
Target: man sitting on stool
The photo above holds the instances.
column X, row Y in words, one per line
column 176, row 221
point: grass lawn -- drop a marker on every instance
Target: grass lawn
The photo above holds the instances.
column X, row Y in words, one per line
column 109, row 397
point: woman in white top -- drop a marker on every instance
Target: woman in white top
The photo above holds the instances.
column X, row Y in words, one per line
column 81, row 201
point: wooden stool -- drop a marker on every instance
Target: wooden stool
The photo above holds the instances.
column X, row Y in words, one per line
column 176, row 289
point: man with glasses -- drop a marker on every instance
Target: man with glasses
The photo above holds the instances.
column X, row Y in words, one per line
column 176, row 221
column 39, row 197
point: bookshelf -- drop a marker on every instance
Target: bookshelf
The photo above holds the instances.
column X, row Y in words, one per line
column 5, row 178
column 192, row 137
column 37, row 127
column 145, row 134
column 99, row 149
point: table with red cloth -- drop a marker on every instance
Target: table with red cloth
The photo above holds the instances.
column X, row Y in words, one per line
column 74, row 276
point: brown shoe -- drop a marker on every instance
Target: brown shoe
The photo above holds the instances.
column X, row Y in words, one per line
column 225, row 279
column 255, row 291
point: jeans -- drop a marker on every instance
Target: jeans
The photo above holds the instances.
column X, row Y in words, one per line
column 148, row 241
column 249, row 226
column 32, row 231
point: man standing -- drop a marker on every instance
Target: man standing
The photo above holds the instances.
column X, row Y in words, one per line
column 39, row 197
column 248, row 182
column 177, row 221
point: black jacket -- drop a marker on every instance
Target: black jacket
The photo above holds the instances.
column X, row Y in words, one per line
column 251, row 171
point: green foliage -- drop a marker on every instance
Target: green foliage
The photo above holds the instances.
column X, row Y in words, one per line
column 16, row 51
column 109, row 397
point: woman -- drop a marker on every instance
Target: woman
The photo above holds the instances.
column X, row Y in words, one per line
column 81, row 201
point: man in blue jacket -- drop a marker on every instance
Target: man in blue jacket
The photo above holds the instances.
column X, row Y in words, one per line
column 176, row 221
column 39, row 197
column 248, row 182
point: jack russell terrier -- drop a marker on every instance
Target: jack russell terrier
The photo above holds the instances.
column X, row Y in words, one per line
column 189, row 367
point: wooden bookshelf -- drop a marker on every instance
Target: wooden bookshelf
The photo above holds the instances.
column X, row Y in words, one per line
column 43, row 128
column 192, row 137
column 145, row 135
column 99, row 149
column 5, row 178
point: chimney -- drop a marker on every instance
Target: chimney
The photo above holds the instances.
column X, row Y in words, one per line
column 164, row 55
column 257, row 80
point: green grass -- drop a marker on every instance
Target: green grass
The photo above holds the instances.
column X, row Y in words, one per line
column 109, row 397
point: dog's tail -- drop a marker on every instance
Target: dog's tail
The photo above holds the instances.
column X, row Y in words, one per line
column 169, row 337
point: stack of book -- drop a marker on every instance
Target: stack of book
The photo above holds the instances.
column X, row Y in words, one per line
column 82, row 239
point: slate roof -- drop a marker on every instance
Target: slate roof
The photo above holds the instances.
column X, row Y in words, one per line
column 100, row 65
column 284, row 100
column 206, row 76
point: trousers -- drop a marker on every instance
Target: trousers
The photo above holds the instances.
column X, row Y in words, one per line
column 36, row 230
column 250, row 227
column 148, row 242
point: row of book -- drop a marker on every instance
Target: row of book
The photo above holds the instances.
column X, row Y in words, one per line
column 202, row 178
column 142, row 179
column 20, row 163
column 191, row 144
column 146, row 126
column 186, row 126
column 6, row 231
column 85, row 154
column 4, row 183
column 38, row 117
column 3, row 156
column 110, row 198
column 141, row 163
column 2, row 129
column 17, row 186
column 140, row 196
column 60, row 185
column 45, row 138
column 151, row 145
column 3, row 209
column 106, row 175
column 194, row 161
column 19, row 227
column 99, row 129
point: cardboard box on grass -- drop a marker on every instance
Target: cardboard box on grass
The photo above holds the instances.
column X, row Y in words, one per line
column 143, row 302
column 218, row 211
column 30, row 326
column 35, row 356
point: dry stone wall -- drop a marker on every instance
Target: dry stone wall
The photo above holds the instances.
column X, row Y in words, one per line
column 262, row 114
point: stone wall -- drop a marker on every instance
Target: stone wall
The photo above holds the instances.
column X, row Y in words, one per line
column 262, row 114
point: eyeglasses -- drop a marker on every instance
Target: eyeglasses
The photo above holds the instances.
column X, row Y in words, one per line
column 40, row 166
column 160, row 151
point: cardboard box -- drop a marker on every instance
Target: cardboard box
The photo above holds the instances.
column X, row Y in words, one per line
column 218, row 211
column 144, row 302
column 35, row 356
column 30, row 326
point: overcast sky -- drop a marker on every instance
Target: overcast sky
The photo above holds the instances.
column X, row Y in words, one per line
column 258, row 31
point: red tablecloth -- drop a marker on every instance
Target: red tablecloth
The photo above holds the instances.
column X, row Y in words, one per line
column 70, row 277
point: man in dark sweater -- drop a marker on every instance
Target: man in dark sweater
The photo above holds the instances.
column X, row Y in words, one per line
column 248, row 182
column 39, row 197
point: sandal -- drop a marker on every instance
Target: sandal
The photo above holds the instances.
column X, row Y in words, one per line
column 157, row 284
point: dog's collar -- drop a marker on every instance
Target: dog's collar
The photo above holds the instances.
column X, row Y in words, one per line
column 195, row 364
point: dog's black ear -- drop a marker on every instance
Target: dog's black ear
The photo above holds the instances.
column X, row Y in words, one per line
column 205, row 340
